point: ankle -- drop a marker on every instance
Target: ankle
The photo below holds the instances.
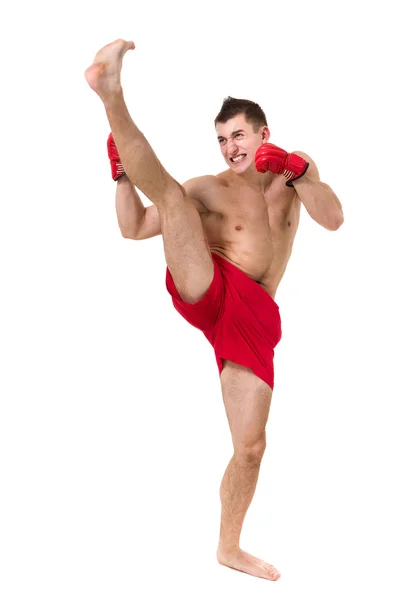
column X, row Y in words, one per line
column 225, row 547
column 115, row 99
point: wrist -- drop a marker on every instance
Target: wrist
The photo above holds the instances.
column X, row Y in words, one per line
column 123, row 179
column 296, row 165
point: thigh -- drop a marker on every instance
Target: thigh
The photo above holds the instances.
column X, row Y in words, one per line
column 187, row 253
column 247, row 400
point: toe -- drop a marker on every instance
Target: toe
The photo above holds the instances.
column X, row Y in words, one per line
column 274, row 573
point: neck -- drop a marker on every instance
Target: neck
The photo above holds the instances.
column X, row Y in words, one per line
column 253, row 178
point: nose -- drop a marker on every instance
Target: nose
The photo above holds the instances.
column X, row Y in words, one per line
column 232, row 147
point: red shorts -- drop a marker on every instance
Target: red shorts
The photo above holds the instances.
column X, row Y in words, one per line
column 238, row 317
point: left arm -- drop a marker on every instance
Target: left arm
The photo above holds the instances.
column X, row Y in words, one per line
column 320, row 201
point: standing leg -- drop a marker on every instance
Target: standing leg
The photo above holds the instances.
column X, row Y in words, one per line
column 247, row 400
column 186, row 250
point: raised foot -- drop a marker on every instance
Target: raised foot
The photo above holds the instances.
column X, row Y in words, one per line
column 104, row 74
column 242, row 561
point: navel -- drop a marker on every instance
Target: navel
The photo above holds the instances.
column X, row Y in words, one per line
column 288, row 224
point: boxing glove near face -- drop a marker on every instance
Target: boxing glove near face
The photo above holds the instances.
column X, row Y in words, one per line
column 271, row 158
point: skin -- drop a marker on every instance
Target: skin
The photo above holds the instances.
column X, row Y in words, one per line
column 248, row 218
column 253, row 217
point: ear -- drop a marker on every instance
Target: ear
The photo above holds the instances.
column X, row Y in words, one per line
column 265, row 134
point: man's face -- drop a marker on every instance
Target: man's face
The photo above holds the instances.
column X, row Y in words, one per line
column 239, row 143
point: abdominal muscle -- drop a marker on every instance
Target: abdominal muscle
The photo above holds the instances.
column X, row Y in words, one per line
column 267, row 269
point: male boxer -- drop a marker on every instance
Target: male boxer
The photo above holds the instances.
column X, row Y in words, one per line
column 227, row 241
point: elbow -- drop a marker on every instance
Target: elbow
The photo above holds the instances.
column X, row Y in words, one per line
column 128, row 235
column 333, row 222
column 338, row 222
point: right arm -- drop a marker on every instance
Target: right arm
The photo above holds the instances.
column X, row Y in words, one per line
column 129, row 207
column 134, row 220
column 138, row 222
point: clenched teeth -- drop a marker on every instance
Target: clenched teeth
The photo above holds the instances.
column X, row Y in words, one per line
column 238, row 158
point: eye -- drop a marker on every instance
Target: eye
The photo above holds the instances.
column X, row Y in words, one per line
column 238, row 134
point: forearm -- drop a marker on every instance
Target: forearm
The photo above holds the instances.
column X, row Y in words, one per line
column 129, row 207
column 320, row 201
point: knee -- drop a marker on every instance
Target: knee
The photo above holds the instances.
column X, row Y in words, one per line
column 251, row 453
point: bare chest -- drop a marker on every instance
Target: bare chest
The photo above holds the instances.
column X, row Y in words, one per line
column 247, row 215
column 255, row 231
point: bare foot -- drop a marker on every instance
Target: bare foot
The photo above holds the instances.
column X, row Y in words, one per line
column 241, row 561
column 104, row 75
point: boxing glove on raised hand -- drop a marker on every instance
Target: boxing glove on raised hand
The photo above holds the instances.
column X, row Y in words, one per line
column 117, row 170
column 271, row 158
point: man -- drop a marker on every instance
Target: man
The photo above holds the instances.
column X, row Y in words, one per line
column 227, row 241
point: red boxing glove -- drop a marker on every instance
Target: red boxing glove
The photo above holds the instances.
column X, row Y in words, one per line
column 117, row 170
column 271, row 158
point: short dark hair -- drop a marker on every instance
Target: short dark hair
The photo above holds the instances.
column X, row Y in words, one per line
column 252, row 112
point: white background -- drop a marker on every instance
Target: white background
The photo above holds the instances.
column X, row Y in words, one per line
column 113, row 435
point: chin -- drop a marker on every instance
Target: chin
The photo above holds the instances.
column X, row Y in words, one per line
column 240, row 169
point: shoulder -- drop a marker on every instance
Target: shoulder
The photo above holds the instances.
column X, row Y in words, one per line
column 202, row 184
column 203, row 191
column 312, row 170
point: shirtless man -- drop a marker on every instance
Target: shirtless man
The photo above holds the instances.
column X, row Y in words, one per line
column 227, row 241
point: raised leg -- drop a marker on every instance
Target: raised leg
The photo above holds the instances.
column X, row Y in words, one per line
column 247, row 400
column 186, row 250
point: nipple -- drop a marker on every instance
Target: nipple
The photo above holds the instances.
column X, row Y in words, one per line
column 238, row 227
